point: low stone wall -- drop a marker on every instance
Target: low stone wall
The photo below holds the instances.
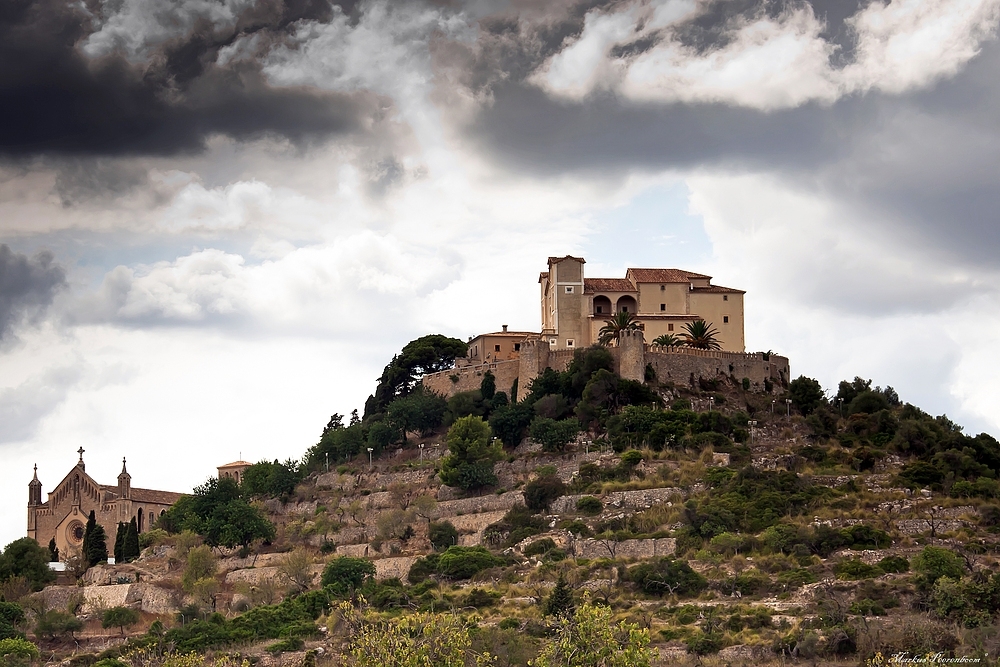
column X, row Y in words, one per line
column 96, row 598
column 394, row 568
column 920, row 526
column 653, row 548
column 490, row 503
column 640, row 499
column 253, row 576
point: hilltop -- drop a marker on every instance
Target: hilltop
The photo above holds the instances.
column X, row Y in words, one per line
column 733, row 524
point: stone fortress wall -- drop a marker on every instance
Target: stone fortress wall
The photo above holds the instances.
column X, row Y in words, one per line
column 680, row 365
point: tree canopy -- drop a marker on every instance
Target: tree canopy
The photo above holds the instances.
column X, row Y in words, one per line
column 25, row 558
column 427, row 354
column 472, row 451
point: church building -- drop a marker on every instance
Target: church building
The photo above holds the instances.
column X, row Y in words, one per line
column 63, row 515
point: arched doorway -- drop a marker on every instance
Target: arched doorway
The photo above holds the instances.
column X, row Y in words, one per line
column 602, row 305
column 138, row 520
column 626, row 304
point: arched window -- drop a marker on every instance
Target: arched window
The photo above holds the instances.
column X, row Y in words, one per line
column 138, row 520
column 626, row 304
column 602, row 305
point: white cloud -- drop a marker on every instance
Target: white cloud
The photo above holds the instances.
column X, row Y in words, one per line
column 773, row 63
column 134, row 27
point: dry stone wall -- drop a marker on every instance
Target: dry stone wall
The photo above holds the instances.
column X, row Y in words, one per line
column 652, row 548
column 470, row 377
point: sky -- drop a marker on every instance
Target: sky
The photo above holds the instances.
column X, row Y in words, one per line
column 219, row 219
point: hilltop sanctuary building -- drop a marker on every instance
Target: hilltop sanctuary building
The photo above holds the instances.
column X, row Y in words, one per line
column 574, row 308
column 63, row 515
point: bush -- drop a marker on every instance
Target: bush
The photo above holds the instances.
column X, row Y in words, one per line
column 554, row 435
column 539, row 493
column 894, row 564
column 539, row 547
column 667, row 576
column 286, row 646
column 854, row 568
column 11, row 619
column 17, row 649
column 589, row 505
column 632, row 458
column 933, row 563
column 442, row 534
column 472, row 451
column 345, row 574
column 422, row 568
column 806, row 394
column 703, row 643
column 465, row 562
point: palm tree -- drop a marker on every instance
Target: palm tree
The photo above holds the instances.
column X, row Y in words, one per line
column 613, row 328
column 701, row 335
column 668, row 340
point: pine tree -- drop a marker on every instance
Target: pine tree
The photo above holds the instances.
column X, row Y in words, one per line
column 120, row 542
column 560, row 600
column 130, row 547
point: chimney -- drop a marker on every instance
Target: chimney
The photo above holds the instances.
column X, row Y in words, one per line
column 505, row 328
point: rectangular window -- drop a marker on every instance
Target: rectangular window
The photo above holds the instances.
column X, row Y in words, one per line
column 600, row 309
column 496, row 348
column 552, row 342
column 663, row 288
column 569, row 342
column 663, row 306
column 670, row 327
column 725, row 297
column 517, row 347
column 569, row 289
column 725, row 319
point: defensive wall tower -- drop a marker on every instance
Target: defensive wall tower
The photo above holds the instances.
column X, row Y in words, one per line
column 632, row 355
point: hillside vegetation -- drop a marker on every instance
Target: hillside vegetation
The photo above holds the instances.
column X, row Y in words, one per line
column 594, row 521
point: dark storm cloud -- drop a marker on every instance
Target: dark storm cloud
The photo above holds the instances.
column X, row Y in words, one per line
column 27, row 285
column 54, row 100
column 925, row 163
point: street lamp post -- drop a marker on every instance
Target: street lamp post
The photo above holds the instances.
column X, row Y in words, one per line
column 370, row 450
column 421, row 445
column 753, row 424
column 327, row 455
column 841, row 401
column 772, row 406
column 788, row 407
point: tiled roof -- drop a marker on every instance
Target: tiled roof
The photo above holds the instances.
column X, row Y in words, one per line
column 719, row 289
column 235, row 464
column 591, row 285
column 553, row 260
column 518, row 334
column 663, row 275
column 543, row 276
column 157, row 497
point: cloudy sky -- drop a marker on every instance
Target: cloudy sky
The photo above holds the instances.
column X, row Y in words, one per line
column 220, row 218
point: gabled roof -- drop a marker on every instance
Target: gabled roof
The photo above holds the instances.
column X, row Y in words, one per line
column 664, row 275
column 591, row 285
column 554, row 260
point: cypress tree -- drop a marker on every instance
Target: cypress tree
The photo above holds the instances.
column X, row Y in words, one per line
column 53, row 551
column 130, row 549
column 120, row 542
column 560, row 600
column 95, row 541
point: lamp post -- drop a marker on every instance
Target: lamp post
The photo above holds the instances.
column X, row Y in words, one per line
column 788, row 407
column 421, row 445
column 370, row 450
column 841, row 402
column 772, row 406
column 327, row 456
column 753, row 424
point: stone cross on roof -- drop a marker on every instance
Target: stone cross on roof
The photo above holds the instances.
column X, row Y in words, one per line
column 81, row 451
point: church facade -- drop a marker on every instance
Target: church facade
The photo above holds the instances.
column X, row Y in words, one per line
column 63, row 515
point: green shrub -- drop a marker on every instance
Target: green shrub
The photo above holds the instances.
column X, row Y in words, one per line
column 935, row 562
column 796, row 578
column 704, row 643
column 119, row 617
column 509, row 624
column 553, row 435
column 345, row 574
column 855, row 568
column 12, row 617
column 479, row 598
column 894, row 564
column 539, row 493
column 465, row 562
column 632, row 458
column 422, row 568
column 667, row 576
column 577, row 527
column 18, row 648
column 442, row 534
column 589, row 505
column 539, row 547
column 286, row 646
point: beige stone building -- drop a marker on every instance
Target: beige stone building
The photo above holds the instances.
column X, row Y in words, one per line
column 234, row 470
column 63, row 515
column 574, row 307
column 497, row 346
